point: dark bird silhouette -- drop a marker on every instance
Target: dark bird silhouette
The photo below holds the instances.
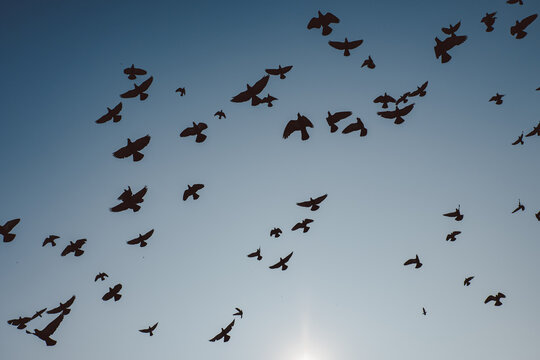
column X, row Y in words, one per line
column 520, row 2
column 113, row 292
column 252, row 91
column 302, row 225
column 257, row 254
column 397, row 114
column 467, row 281
column 520, row 207
column 357, row 126
column 224, row 334
column 313, row 203
column 369, row 63
column 195, row 130
column 141, row 239
column 192, row 191
column 345, row 45
column 424, row 311
column 21, row 322
column 267, row 100
column 74, row 247
column 282, row 263
column 537, row 216
column 112, row 114
column 519, row 27
column 452, row 235
column 451, row 29
column 281, row 71
column 519, row 140
column 139, row 90
column 220, row 114
column 496, row 298
column 323, row 21
column 101, row 276
column 46, row 333
column 535, row 131
column 489, row 20
column 403, row 98
column 420, row 90
column 333, row 119
column 133, row 72
column 50, row 240
column 276, row 232
column 39, row 313
column 416, row 261
column 300, row 124
column 64, row 308
column 133, row 149
column 384, row 99
column 181, row 90
column 497, row 98
column 150, row 329
column 455, row 214
column 238, row 312
column 130, row 200
column 6, row 229
column 442, row 47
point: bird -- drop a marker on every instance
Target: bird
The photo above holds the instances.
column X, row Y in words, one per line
column 489, row 20
column 133, row 72
column 497, row 98
column 334, row 118
column 520, row 2
column 220, row 114
column 47, row 331
column 150, row 329
column 346, row 45
column 141, row 239
column 537, row 216
column 312, row 203
column 21, row 322
column 139, row 90
column 181, row 90
column 451, row 29
column 384, row 99
column 282, row 263
column 420, row 90
column 424, row 311
column 39, row 313
column 113, row 292
column 224, row 334
column 415, row 260
column 74, row 247
column 442, row 47
column 519, row 27
column 300, row 124
column 251, row 92
column 357, row 126
column 467, row 281
column 101, row 276
column 239, row 312
column 133, row 149
column 302, row 225
column 397, row 114
column 281, row 71
column 64, row 308
column 519, row 140
column 130, row 200
column 323, row 21
column 452, row 235
column 192, row 191
column 195, row 130
column 257, row 254
column 112, row 114
column 496, row 298
column 403, row 98
column 50, row 240
column 275, row 232
column 520, row 207
column 5, row 230
column 369, row 63
column 267, row 100
column 455, row 214
column 535, row 131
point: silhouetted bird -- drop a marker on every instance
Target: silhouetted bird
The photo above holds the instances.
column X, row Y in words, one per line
column 141, row 239
column 313, row 203
column 467, row 281
column 252, row 91
column 133, row 72
column 39, row 313
column 113, row 293
column 519, row 140
column 489, row 20
column 302, row 225
column 442, row 47
column 300, row 124
column 101, row 276
column 63, row 307
column 324, row 21
column 520, row 207
column 50, row 240
column 6, row 229
column 220, row 114
column 416, row 261
column 420, row 90
column 281, row 71
column 452, row 235
column 112, row 114
column 451, row 29
column 74, row 247
column 276, row 232
column 535, row 131
column 424, row 311
column 139, row 90
column 133, row 149
column 497, row 98
column 332, row 119
column 238, row 312
column 345, row 45
column 257, row 254
column 357, row 126
column 403, row 98
column 520, row 2
column 150, row 329
column 496, row 298
column 369, row 63
column 182, row 91
column 224, row 333
column 384, row 99
column 455, row 214
column 192, row 191
column 397, row 114
column 282, row 263
column 267, row 100
column 537, row 216
column 46, row 333
column 519, row 28
column 195, row 130
column 21, row 322
column 130, row 200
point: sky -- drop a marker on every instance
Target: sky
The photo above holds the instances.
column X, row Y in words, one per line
column 346, row 294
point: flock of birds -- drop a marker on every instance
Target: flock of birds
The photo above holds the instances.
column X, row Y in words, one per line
column 130, row 200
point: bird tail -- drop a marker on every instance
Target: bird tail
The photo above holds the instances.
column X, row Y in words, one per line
column 270, row 104
column 200, row 138
column 282, row 76
column 79, row 252
column 385, row 106
column 116, row 118
column 151, row 333
column 347, row 52
column 143, row 96
column 255, row 100
column 399, row 120
column 135, row 208
column 226, row 338
column 284, row 267
column 363, row 132
column 490, row 28
column 143, row 243
column 137, row 156
column 333, row 128
column 326, row 30
column 315, row 207
column 305, row 134
column 50, row 342
column 445, row 57
column 259, row 257
column 132, row 77
column 117, row 297
column 196, row 196
column 306, row 229
column 9, row 237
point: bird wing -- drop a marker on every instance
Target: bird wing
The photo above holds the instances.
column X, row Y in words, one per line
column 120, row 207
column 409, row 262
column 138, row 71
column 197, row 187
column 528, row 20
column 202, row 126
column 355, row 44
column 305, row 203
column 97, row 277
column 260, row 85
column 501, row 295
column 516, row 142
column 79, row 243
column 11, row 224
column 341, row 115
column 286, row 69
column 287, row 258
column 276, row 265
column 273, row 71
column 135, row 241
column 241, row 97
column 307, row 221
column 104, row 118
column 314, row 23
column 218, row 336
column 122, row 153
column 147, row 235
column 107, row 296
column 188, row 131
column 186, row 194
column 387, row 114
column 297, row 226
column 451, row 214
column 291, row 127
column 424, row 86
column 138, row 197
column 117, row 288
column 69, row 302
column 320, row 198
column 407, row 109
column 66, row 251
column 53, row 325
column 331, row 18
column 490, row 298
column 153, row 327
column 142, row 142
column 350, row 128
column 337, row 45
column 146, row 84
column 130, row 93
column 253, row 254
column 145, row 330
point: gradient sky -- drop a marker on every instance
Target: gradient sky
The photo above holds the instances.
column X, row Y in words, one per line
column 346, row 294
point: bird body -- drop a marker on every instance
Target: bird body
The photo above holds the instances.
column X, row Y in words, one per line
column 467, row 281
column 113, row 292
column 74, row 247
column 302, row 225
column 300, row 124
column 195, row 130
column 535, row 131
column 323, row 21
column 130, row 200
column 519, row 140
column 282, row 263
column 133, row 149
column 369, row 63
column 238, row 312
column 497, row 98
column 384, row 99
column 442, row 47
column 192, row 191
column 420, row 90
column 45, row 333
column 452, row 235
column 181, row 90
column 139, row 90
column 220, row 114
column 519, row 207
column 455, row 214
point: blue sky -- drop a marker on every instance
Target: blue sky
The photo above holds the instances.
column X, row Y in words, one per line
column 346, row 293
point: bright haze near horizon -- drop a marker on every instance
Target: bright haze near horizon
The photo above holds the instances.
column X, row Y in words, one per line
column 346, row 294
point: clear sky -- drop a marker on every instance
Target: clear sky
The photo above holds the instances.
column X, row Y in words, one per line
column 346, row 294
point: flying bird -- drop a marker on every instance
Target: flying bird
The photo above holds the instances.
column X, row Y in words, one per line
column 220, row 114
column 346, row 45
column 397, row 114
column 455, row 214
column 64, row 308
column 267, row 100
column 113, row 292
column 369, row 63
column 403, row 98
column 452, row 235
column 252, row 91
column 313, row 203
column 21, row 322
column 384, row 99
column 282, row 263
column 302, row 225
column 467, row 281
column 442, row 47
column 150, row 329
column 415, row 260
column 257, row 254
column 281, row 71
column 139, row 90
column 112, row 114
column 489, row 20
column 275, row 232
column 101, row 276
column 424, row 311
column 357, row 126
column 333, row 119
column 323, row 21
column 519, row 140
column 192, row 191
column 420, row 90
column 238, row 312
column 195, row 130
column 45, row 333
column 130, row 200
column 497, row 98
column 496, row 298
column 181, row 90
column 74, row 247
column 141, row 239
column 6, row 229
column 300, row 124
column 224, row 334
column 133, row 72
column 451, row 29
column 520, row 2
column 520, row 207
column 39, row 313
column 519, row 27
column 50, row 240
column 133, row 149
column 535, row 131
